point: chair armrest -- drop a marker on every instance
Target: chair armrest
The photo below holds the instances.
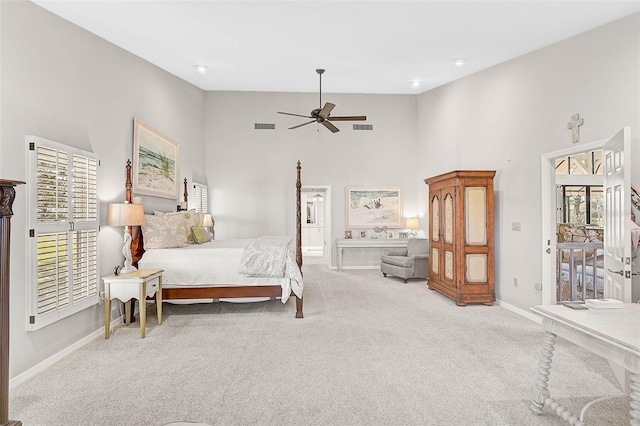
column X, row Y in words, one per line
column 399, row 252
column 420, row 256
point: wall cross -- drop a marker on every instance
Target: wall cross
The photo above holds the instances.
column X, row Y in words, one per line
column 574, row 126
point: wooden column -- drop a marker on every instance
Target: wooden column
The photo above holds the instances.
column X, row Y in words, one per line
column 7, row 195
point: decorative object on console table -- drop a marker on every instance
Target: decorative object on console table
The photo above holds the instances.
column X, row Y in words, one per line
column 368, row 207
column 155, row 162
column 461, row 263
column 127, row 215
column 7, row 196
column 412, row 223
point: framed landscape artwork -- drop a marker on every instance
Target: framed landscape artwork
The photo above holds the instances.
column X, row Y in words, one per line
column 155, row 162
column 369, row 207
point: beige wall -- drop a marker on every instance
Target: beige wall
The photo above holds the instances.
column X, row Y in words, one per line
column 506, row 117
column 252, row 172
column 62, row 83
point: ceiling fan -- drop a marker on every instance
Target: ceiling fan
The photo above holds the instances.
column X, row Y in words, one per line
column 322, row 115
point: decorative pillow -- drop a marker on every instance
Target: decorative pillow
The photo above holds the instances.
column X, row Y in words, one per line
column 200, row 234
column 191, row 219
column 166, row 231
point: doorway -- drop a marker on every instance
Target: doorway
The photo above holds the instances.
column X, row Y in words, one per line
column 550, row 212
column 315, row 203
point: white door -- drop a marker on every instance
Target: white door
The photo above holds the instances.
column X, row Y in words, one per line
column 617, row 231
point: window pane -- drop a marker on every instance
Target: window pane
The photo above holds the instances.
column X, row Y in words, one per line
column 562, row 166
column 597, row 206
column 580, row 164
column 575, row 204
column 598, row 167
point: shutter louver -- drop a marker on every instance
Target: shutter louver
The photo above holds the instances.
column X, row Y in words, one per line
column 201, row 196
column 52, row 187
column 53, row 272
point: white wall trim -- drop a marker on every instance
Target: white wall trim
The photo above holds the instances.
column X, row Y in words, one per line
column 41, row 366
column 526, row 314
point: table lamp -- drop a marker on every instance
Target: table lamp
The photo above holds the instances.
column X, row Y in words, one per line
column 207, row 222
column 413, row 224
column 126, row 214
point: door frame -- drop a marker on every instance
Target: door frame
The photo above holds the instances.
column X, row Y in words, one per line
column 326, row 247
column 548, row 214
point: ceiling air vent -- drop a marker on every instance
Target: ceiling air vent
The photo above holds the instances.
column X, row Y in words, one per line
column 363, row 127
column 264, row 126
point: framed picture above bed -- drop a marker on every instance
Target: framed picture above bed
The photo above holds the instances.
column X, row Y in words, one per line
column 155, row 162
column 369, row 207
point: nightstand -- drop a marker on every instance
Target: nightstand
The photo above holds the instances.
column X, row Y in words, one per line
column 135, row 285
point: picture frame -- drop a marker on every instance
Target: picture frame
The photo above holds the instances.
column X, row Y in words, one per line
column 403, row 235
column 390, row 235
column 372, row 206
column 155, row 162
column 348, row 235
column 363, row 234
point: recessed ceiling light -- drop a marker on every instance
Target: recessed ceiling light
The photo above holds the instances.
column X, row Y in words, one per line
column 201, row 68
column 460, row 62
column 415, row 83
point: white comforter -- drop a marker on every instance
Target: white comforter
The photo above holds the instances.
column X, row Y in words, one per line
column 218, row 262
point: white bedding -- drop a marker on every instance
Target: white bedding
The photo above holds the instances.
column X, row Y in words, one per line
column 215, row 263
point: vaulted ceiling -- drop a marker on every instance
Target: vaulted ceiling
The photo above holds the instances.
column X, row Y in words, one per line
column 366, row 46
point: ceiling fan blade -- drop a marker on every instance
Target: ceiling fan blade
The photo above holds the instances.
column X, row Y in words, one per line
column 330, row 126
column 326, row 110
column 303, row 124
column 348, row 118
column 295, row 115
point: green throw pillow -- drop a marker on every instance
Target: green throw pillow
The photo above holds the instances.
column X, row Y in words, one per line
column 200, row 234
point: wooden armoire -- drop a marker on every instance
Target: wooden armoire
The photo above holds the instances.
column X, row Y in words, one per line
column 461, row 261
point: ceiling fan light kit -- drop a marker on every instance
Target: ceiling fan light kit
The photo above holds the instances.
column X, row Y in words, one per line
column 322, row 114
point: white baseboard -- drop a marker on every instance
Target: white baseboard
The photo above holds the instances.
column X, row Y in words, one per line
column 528, row 315
column 40, row 367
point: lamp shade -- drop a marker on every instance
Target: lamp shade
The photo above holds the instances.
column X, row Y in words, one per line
column 207, row 220
column 125, row 215
column 412, row 223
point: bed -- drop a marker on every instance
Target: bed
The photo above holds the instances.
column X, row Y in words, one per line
column 211, row 270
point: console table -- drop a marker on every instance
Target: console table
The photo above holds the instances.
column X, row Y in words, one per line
column 611, row 333
column 367, row 243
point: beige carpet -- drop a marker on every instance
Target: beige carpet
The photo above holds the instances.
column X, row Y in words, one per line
column 370, row 351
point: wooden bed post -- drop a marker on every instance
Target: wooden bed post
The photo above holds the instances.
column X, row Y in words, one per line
column 7, row 196
column 186, row 194
column 137, row 246
column 298, row 219
column 299, row 313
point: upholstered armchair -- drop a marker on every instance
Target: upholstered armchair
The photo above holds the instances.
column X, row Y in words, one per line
column 412, row 262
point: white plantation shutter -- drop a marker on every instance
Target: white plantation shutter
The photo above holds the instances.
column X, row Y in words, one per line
column 63, row 231
column 201, row 197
